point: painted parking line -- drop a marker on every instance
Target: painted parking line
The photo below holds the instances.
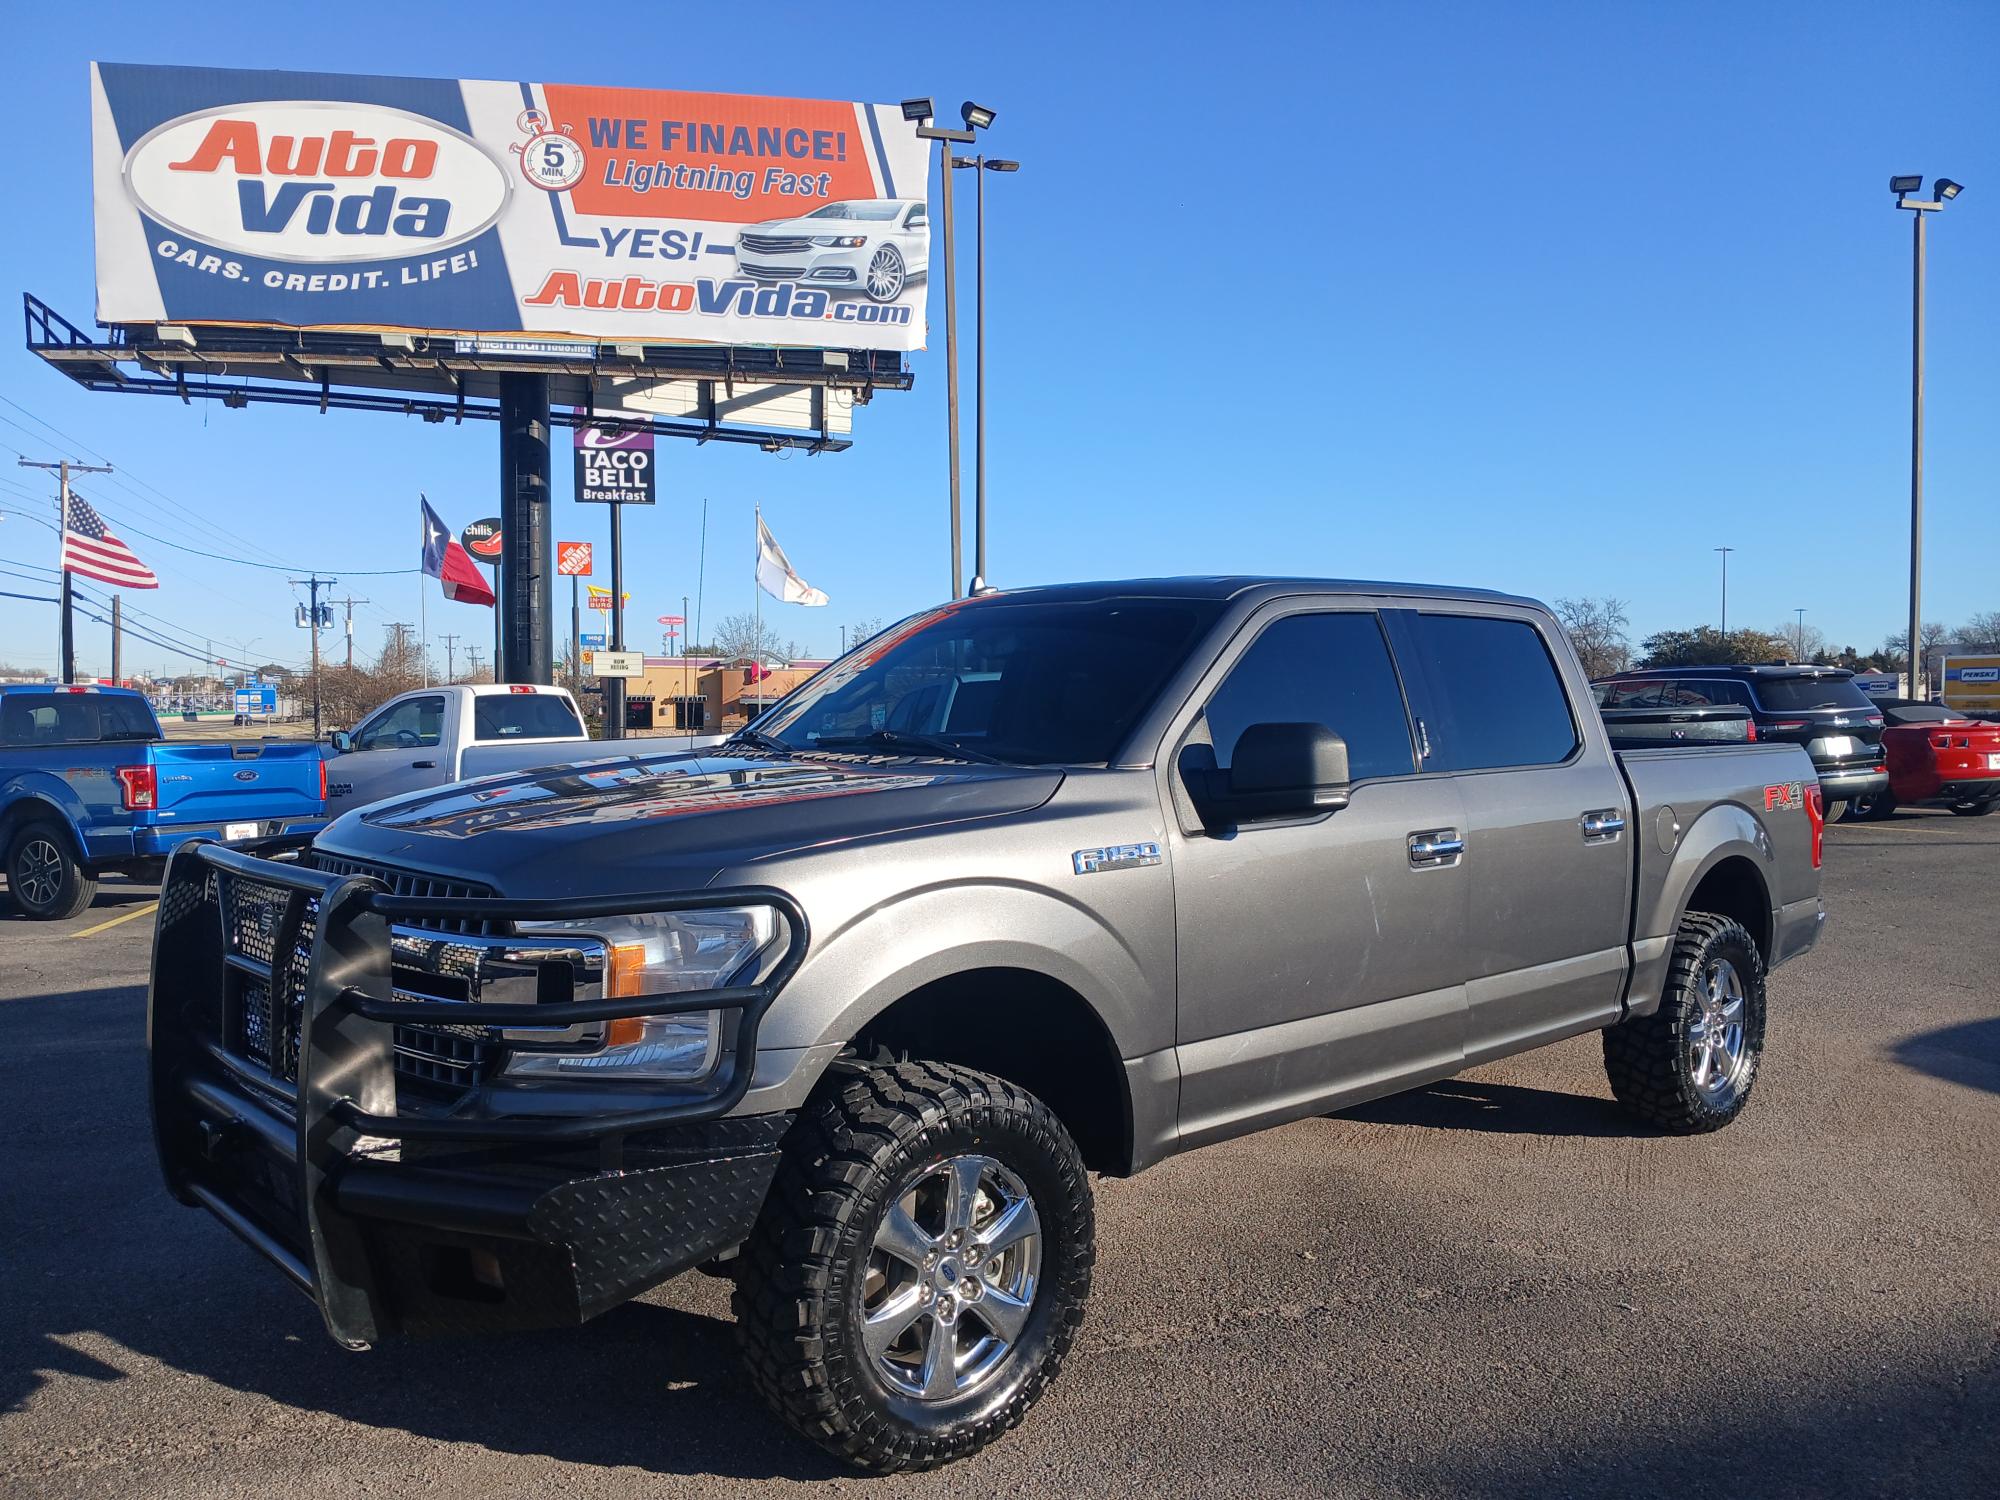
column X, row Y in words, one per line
column 142, row 911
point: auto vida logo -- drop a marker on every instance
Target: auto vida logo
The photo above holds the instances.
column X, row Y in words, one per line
column 316, row 181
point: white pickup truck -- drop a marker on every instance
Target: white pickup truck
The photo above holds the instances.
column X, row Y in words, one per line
column 444, row 734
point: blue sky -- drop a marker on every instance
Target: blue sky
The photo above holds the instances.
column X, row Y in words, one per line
column 1547, row 298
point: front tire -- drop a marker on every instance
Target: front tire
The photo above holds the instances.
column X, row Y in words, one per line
column 886, row 275
column 1975, row 809
column 44, row 876
column 1689, row 1066
column 921, row 1265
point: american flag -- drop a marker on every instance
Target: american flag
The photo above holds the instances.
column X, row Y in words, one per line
column 89, row 548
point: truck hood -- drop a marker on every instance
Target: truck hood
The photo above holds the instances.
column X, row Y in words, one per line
column 669, row 822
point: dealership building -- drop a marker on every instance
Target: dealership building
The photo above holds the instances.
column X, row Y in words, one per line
column 708, row 694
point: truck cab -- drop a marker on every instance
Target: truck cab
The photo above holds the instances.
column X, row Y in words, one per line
column 442, row 734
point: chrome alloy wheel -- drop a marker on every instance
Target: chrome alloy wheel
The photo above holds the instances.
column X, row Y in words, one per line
column 885, row 275
column 40, row 872
column 951, row 1278
column 1717, row 1059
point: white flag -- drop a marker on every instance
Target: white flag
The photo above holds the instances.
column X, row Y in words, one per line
column 775, row 575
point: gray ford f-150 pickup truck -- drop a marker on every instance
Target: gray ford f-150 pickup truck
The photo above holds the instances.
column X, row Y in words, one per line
column 1033, row 885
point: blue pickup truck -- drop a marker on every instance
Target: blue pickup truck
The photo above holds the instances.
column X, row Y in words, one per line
column 89, row 787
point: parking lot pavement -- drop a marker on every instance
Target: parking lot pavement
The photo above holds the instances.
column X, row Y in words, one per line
column 1495, row 1286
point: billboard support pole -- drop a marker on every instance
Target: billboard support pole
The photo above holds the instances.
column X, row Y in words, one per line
column 528, row 526
column 575, row 628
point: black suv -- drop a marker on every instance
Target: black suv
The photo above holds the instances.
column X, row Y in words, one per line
column 1818, row 707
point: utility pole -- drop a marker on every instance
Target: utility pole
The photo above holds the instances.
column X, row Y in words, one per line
column 472, row 661
column 350, row 601
column 314, row 583
column 63, row 468
column 399, row 635
column 450, row 658
column 1801, row 651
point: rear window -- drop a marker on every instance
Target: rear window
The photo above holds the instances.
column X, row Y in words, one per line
column 1501, row 701
column 73, row 719
column 523, row 716
column 1797, row 694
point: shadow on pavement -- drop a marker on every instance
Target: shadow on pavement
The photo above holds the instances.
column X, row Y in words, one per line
column 1967, row 1054
column 1506, row 1108
column 98, row 1255
column 112, row 896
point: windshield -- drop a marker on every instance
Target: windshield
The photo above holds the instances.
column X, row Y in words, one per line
column 879, row 210
column 1796, row 694
column 1027, row 683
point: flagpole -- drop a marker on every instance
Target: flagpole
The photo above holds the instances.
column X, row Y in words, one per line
column 423, row 618
column 67, row 666
column 756, row 589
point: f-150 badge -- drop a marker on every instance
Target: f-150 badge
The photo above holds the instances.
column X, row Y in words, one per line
column 1115, row 857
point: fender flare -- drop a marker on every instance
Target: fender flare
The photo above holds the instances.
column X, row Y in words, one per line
column 35, row 795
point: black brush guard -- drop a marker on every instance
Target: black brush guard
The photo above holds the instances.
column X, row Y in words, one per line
column 378, row 1215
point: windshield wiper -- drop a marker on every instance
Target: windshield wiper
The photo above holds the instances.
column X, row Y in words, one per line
column 897, row 739
column 759, row 740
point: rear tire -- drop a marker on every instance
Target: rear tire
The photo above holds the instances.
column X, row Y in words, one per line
column 1834, row 811
column 1975, row 809
column 1872, row 808
column 1689, row 1066
column 44, row 877
column 920, row 1267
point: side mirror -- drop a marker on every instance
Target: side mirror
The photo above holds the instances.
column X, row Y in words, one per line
column 341, row 741
column 1287, row 770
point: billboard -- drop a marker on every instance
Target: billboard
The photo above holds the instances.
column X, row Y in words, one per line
column 327, row 200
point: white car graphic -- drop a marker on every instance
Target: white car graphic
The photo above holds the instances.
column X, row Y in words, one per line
column 876, row 246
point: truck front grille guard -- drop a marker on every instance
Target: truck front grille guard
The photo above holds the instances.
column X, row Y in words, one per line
column 304, row 956
column 294, row 964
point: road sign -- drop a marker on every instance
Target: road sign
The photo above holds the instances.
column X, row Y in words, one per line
column 572, row 559
column 616, row 663
column 594, row 642
column 673, row 620
column 483, row 540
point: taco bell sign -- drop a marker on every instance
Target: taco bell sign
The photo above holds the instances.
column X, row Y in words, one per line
column 613, row 467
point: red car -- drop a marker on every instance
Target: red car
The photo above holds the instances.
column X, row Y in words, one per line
column 1938, row 758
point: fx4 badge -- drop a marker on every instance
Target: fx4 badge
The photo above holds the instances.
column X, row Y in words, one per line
column 1115, row 857
column 1787, row 797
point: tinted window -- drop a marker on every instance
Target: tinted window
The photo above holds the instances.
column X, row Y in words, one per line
column 1501, row 702
column 1330, row 669
column 412, row 724
column 1037, row 683
column 73, row 718
column 875, row 210
column 1792, row 694
column 522, row 716
column 1707, row 692
column 1644, row 693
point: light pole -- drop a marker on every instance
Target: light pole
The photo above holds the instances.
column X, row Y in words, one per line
column 977, row 117
column 1801, row 646
column 1945, row 190
column 1725, row 551
column 982, row 165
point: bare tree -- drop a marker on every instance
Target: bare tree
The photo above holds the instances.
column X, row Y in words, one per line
column 1896, row 645
column 747, row 635
column 1597, row 627
column 1804, row 642
column 1980, row 634
column 862, row 629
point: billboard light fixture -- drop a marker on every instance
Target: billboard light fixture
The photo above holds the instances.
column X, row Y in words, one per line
column 976, row 116
column 1947, row 190
column 174, row 333
column 918, row 110
column 1902, row 185
column 998, row 164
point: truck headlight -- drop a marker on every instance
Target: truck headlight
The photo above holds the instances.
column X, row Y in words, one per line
column 660, row 953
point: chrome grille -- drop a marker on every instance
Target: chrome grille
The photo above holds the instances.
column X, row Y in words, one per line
column 774, row 244
column 432, row 1058
column 773, row 273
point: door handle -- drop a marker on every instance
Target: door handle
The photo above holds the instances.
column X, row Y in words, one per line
column 431, row 765
column 1603, row 826
column 1435, row 847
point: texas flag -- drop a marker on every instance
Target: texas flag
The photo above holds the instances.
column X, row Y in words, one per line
column 450, row 564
